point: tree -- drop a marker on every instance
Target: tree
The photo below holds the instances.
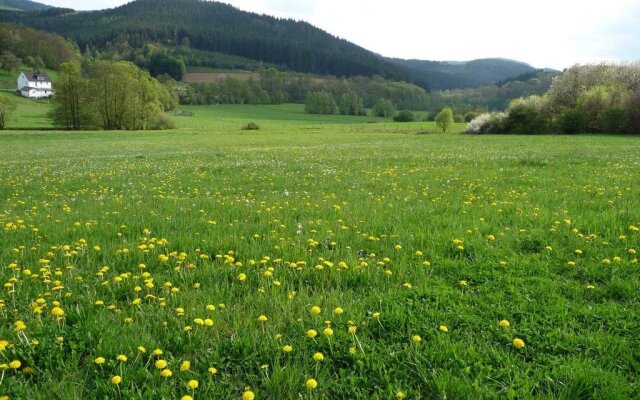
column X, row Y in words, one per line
column 10, row 62
column 273, row 81
column 119, row 94
column 404, row 116
column 351, row 104
column 444, row 119
column 320, row 103
column 7, row 106
column 35, row 63
column 163, row 63
column 71, row 105
column 384, row 108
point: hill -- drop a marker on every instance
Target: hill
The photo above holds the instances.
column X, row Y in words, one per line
column 22, row 5
column 213, row 27
column 446, row 75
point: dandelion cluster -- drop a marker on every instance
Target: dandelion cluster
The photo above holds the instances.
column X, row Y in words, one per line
column 211, row 267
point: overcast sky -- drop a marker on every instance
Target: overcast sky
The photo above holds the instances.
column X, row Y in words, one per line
column 544, row 33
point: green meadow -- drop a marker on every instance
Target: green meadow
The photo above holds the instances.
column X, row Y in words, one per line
column 316, row 258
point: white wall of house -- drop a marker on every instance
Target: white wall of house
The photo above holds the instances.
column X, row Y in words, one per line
column 34, row 93
column 40, row 88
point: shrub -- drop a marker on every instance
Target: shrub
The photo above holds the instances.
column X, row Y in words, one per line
column 404, row 116
column 487, row 123
column 572, row 121
column 470, row 116
column 251, row 126
column 614, row 119
column 527, row 115
column 161, row 122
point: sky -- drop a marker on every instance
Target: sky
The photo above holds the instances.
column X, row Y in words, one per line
column 544, row 33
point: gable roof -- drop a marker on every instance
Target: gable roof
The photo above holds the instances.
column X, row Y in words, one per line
column 37, row 76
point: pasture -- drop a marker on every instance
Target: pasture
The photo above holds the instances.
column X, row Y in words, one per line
column 317, row 258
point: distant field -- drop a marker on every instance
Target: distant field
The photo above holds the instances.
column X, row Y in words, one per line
column 218, row 76
column 235, row 116
column 33, row 114
column 379, row 262
column 211, row 75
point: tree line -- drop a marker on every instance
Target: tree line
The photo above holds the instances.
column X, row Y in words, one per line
column 109, row 95
column 599, row 98
column 270, row 86
column 37, row 49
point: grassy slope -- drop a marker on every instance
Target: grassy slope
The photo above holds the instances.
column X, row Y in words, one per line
column 29, row 113
column 272, row 191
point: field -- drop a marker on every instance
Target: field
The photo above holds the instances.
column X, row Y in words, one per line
column 317, row 258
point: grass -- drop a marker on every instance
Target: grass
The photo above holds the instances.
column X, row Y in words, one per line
column 405, row 233
column 29, row 113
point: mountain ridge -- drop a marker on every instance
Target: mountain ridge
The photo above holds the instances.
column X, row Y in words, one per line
column 22, row 5
column 447, row 75
column 211, row 28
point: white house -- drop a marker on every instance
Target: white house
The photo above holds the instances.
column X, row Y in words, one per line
column 35, row 85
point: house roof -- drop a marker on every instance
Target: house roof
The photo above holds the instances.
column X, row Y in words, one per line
column 37, row 76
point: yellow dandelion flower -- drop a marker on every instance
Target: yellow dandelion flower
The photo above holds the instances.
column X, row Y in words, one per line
column 311, row 384
column 185, row 366
column 248, row 395
column 57, row 312
column 518, row 343
column 192, row 384
column 116, row 379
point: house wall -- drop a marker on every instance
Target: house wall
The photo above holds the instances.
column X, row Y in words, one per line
column 23, row 81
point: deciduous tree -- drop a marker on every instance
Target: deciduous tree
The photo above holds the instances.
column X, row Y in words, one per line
column 444, row 119
column 7, row 106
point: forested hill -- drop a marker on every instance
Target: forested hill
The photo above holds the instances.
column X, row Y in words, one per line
column 216, row 27
column 22, row 5
column 442, row 75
